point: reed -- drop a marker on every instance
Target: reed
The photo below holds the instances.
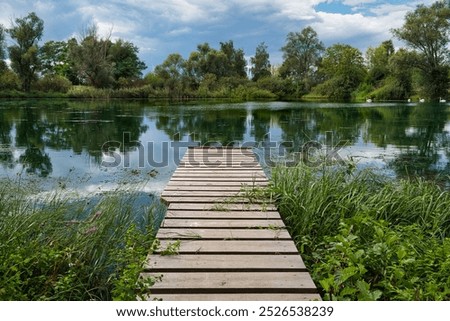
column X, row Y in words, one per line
column 365, row 236
column 56, row 248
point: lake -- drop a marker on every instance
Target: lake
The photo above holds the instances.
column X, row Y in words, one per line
column 90, row 148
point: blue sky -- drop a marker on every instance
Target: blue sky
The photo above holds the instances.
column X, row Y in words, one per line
column 161, row 27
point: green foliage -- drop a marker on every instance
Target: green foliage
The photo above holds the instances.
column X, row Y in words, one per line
column 54, row 58
column 426, row 30
column 124, row 57
column 343, row 67
column 56, row 249
column 26, row 32
column 302, row 53
column 53, row 83
column 260, row 63
column 9, row 80
column 365, row 237
column 91, row 60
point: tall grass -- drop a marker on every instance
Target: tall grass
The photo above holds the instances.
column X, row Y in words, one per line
column 59, row 249
column 365, row 236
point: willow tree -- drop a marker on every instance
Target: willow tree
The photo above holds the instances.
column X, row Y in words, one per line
column 24, row 54
column 426, row 31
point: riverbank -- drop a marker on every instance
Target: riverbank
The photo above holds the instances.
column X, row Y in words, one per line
column 367, row 237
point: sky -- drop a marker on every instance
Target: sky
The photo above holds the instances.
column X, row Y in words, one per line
column 161, row 27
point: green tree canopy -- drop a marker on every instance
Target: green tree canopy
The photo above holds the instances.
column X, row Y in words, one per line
column 260, row 63
column 26, row 32
column 235, row 62
column 124, row 56
column 172, row 72
column 426, row 30
column 378, row 62
column 301, row 54
column 91, row 60
column 54, row 58
column 343, row 67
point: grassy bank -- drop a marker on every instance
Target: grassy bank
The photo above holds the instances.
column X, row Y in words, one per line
column 54, row 248
column 365, row 237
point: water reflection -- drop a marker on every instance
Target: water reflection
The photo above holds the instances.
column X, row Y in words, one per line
column 52, row 139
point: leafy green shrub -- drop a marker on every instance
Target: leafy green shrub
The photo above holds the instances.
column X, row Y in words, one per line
column 88, row 92
column 53, row 83
column 9, row 80
column 366, row 237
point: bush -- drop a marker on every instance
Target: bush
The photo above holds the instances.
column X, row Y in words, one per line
column 9, row 81
column 53, row 83
column 89, row 92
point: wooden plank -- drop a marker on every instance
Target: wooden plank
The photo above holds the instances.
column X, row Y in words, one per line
column 241, row 296
column 216, row 223
column 191, row 282
column 226, row 165
column 232, row 263
column 199, row 215
column 222, row 234
column 169, row 193
column 183, row 182
column 247, row 174
column 201, row 199
column 222, row 207
column 213, row 171
column 233, row 247
column 210, row 179
column 204, row 188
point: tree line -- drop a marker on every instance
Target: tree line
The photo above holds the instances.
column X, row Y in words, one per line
column 308, row 69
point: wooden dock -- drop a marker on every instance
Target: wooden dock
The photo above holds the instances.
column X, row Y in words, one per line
column 219, row 244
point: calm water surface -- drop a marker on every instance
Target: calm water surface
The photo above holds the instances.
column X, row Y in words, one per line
column 86, row 147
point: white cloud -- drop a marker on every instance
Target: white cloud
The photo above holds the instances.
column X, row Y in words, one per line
column 357, row 2
column 180, row 31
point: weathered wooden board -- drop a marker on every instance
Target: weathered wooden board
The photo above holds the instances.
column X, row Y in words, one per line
column 241, row 296
column 218, row 223
column 236, row 215
column 221, row 207
column 223, row 234
column 198, row 282
column 232, row 247
column 232, row 263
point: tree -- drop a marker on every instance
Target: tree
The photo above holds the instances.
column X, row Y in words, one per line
column 91, row 59
column 301, row 55
column 235, row 62
column 3, row 65
column 343, row 67
column 378, row 62
column 126, row 63
column 426, row 30
column 172, row 71
column 24, row 55
column 54, row 58
column 260, row 63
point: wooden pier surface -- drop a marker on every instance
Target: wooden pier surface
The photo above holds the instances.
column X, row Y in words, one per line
column 217, row 243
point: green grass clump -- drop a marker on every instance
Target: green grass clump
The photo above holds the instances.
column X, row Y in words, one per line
column 58, row 249
column 366, row 237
